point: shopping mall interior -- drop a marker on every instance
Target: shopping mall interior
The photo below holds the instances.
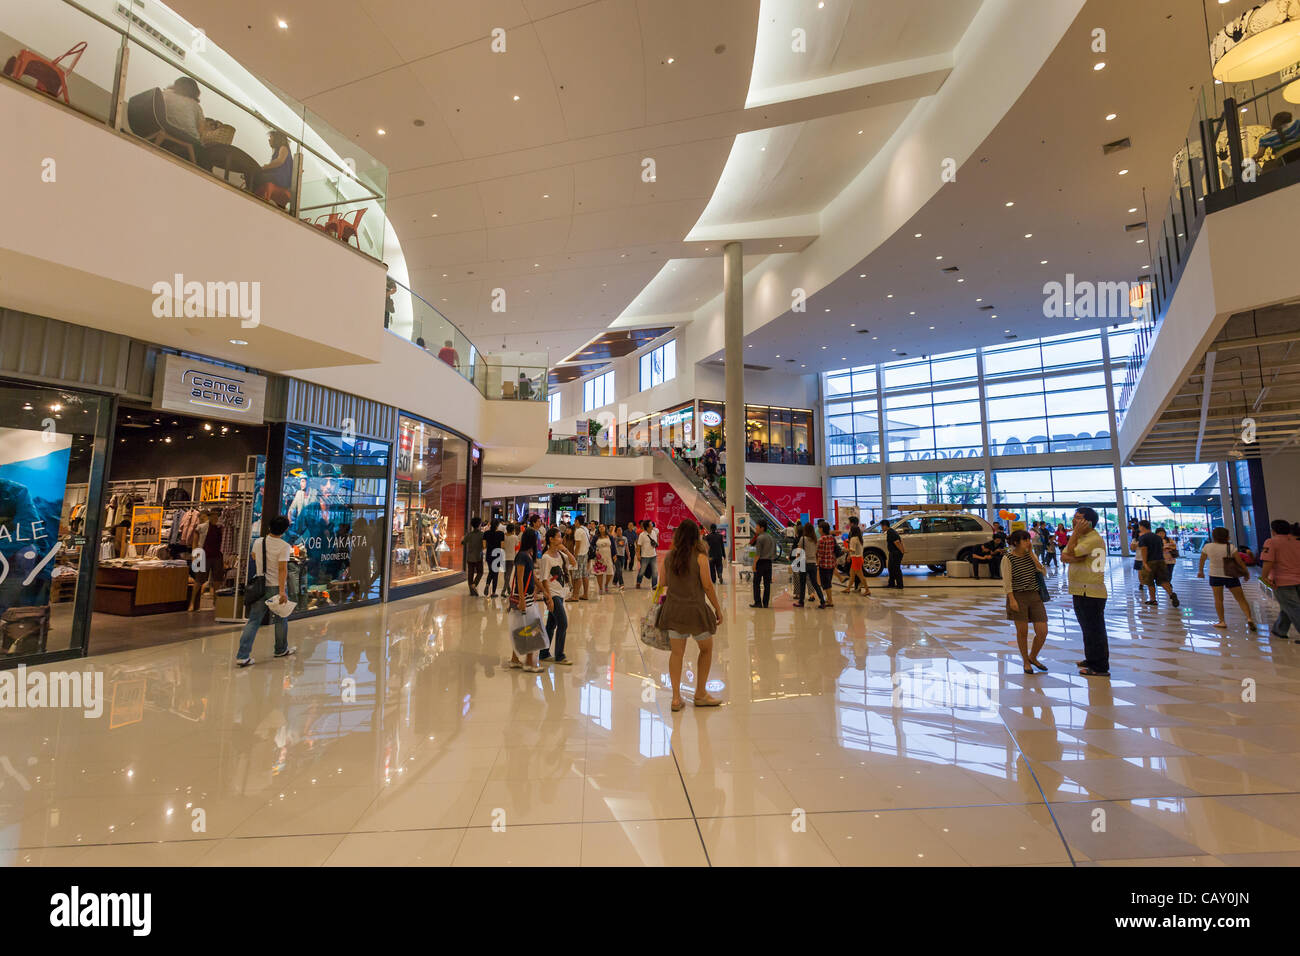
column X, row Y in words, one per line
column 962, row 323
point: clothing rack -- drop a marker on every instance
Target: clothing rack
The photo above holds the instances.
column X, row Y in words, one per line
column 235, row 546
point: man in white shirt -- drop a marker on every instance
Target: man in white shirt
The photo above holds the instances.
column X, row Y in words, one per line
column 275, row 567
column 581, row 549
column 648, row 551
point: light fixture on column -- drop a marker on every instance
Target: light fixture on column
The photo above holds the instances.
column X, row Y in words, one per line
column 1263, row 40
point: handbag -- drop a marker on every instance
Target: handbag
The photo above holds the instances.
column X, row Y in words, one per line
column 530, row 636
column 255, row 590
column 1043, row 593
column 1236, row 559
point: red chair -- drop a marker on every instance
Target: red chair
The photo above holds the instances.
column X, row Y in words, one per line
column 51, row 78
column 272, row 193
column 341, row 229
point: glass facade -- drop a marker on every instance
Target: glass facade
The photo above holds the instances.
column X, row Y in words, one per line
column 430, row 504
column 48, row 460
column 780, row 436
column 335, row 494
column 659, row 365
column 963, row 412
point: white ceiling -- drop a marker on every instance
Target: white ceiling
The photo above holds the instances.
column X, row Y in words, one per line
column 1046, row 157
column 543, row 196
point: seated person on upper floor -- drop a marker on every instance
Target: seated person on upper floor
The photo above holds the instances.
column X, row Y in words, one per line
column 181, row 101
column 279, row 171
column 1282, row 138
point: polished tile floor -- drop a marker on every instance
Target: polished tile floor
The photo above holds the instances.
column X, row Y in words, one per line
column 896, row 730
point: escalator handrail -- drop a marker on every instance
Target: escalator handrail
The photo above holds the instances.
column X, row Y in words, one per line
column 768, row 505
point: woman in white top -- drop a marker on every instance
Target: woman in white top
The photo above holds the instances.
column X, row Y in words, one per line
column 552, row 570
column 856, row 574
column 604, row 560
column 1225, row 572
column 510, row 546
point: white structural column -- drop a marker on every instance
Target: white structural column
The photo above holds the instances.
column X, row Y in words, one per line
column 734, row 351
column 1121, row 507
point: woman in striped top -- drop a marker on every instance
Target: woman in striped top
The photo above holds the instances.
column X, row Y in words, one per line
column 1024, row 603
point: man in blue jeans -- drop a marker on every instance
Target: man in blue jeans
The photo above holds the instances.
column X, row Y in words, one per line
column 275, row 566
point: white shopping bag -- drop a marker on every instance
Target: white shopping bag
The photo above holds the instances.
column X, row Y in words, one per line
column 281, row 608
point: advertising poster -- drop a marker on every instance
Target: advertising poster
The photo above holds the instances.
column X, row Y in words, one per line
column 146, row 524
column 214, row 487
column 33, row 477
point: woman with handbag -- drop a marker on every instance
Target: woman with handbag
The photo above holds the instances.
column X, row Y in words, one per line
column 553, row 573
column 686, row 611
column 1023, row 582
column 524, row 599
column 1226, row 571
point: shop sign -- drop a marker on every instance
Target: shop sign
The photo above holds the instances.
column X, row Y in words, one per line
column 214, row 487
column 676, row 418
column 146, row 524
column 182, row 384
column 710, row 419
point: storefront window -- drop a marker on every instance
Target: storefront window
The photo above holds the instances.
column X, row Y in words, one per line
column 335, row 495
column 430, row 509
column 46, row 449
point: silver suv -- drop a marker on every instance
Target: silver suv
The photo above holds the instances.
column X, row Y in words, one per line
column 932, row 538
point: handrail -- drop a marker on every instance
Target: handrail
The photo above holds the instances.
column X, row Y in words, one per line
column 774, row 511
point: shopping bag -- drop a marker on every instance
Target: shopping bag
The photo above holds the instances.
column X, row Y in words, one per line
column 281, row 609
column 529, row 636
column 652, row 635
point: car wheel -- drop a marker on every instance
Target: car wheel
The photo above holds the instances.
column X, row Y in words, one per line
column 964, row 554
column 938, row 568
column 873, row 562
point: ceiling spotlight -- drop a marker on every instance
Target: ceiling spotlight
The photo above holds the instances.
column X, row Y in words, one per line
column 1110, row 116
column 238, row 342
column 937, row 258
column 862, row 275
column 932, row 328
column 961, row 280
column 382, row 132
column 1042, row 262
column 1123, row 172
column 1029, row 235
column 859, row 132
column 669, row 60
column 1134, row 209
column 917, row 236
column 546, row 195
column 516, row 97
column 1008, row 204
column 890, row 296
column 1098, row 66
column 282, row 24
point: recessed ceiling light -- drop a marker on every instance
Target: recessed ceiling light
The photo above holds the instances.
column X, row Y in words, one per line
column 853, row 325
column 937, row 258
column 1123, row 172
column 890, row 296
column 1140, row 241
column 911, row 313
column 669, row 60
column 282, row 24
column 1006, row 330
column 859, row 132
column 917, row 236
column 979, row 300
column 995, row 315
column 825, row 347
column 1029, row 235
column 1146, row 267
column 1099, row 66
column 516, row 97
column 932, row 328
column 862, row 275
column 1009, row 204
column 874, row 337
column 238, row 342
column 1042, row 262
column 961, row 280
column 433, row 215
column 828, row 310
column 1134, row 209
column 382, row 132
column 778, row 354
column 1110, row 116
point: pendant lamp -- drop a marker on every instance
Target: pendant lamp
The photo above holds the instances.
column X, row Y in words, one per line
column 1260, row 42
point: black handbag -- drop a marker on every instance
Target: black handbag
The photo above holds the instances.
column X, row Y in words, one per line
column 255, row 590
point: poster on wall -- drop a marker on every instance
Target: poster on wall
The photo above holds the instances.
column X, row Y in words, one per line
column 33, row 479
column 405, row 452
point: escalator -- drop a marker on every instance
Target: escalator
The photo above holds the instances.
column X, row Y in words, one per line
column 709, row 507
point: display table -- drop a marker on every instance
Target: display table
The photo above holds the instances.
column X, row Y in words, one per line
column 133, row 591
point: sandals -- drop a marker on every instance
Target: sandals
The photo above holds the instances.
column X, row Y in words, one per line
column 678, row 705
column 1039, row 664
column 1028, row 669
column 1089, row 672
column 706, row 701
